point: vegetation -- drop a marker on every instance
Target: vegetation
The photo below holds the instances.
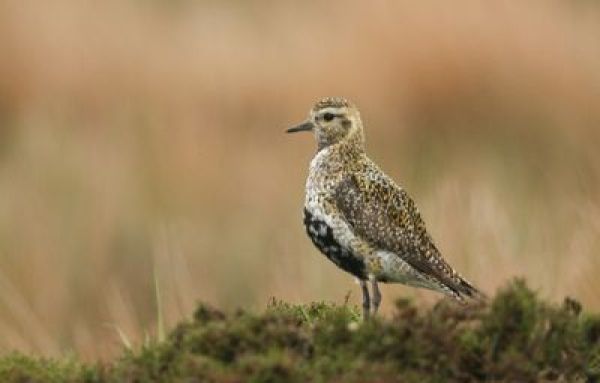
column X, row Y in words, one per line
column 515, row 337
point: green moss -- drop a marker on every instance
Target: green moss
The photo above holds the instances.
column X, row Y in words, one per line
column 516, row 337
column 19, row 368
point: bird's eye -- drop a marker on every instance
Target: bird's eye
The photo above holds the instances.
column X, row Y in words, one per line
column 328, row 116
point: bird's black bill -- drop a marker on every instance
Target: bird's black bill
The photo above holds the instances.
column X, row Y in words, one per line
column 306, row 126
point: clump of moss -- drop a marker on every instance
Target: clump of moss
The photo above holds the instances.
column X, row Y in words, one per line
column 19, row 368
column 516, row 337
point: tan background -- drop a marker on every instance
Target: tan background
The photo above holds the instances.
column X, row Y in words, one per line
column 143, row 140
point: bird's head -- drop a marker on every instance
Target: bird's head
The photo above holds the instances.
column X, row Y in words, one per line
column 333, row 120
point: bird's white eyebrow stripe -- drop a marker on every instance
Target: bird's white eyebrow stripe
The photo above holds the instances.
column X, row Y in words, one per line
column 334, row 111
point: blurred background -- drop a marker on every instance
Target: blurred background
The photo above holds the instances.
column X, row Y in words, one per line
column 142, row 144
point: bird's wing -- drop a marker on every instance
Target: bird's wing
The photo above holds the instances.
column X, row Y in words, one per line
column 386, row 217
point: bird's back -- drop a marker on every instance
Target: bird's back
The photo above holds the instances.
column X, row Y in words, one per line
column 385, row 216
column 371, row 226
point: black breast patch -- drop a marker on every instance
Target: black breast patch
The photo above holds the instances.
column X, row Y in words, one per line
column 321, row 235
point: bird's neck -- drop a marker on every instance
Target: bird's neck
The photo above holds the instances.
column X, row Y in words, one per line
column 353, row 144
column 341, row 155
column 352, row 148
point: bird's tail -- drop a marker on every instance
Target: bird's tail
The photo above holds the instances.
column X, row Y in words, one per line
column 464, row 290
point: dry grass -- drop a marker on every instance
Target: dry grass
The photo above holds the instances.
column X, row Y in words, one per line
column 142, row 135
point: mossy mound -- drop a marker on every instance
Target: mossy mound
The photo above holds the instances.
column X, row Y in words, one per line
column 514, row 338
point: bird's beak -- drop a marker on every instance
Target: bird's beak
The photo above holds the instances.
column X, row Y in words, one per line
column 306, row 126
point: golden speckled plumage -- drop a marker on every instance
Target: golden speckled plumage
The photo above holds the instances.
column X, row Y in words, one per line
column 360, row 219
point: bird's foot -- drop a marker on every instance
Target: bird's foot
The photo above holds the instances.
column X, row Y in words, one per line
column 376, row 299
column 366, row 303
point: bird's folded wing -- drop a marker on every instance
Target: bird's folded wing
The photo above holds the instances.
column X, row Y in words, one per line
column 385, row 216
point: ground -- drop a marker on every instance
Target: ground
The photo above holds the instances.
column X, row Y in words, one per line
column 514, row 337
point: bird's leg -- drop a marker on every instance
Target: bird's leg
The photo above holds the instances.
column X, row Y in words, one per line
column 376, row 295
column 366, row 303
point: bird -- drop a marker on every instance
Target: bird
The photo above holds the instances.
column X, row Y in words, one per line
column 361, row 220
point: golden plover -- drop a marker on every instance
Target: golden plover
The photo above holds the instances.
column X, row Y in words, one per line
column 360, row 219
